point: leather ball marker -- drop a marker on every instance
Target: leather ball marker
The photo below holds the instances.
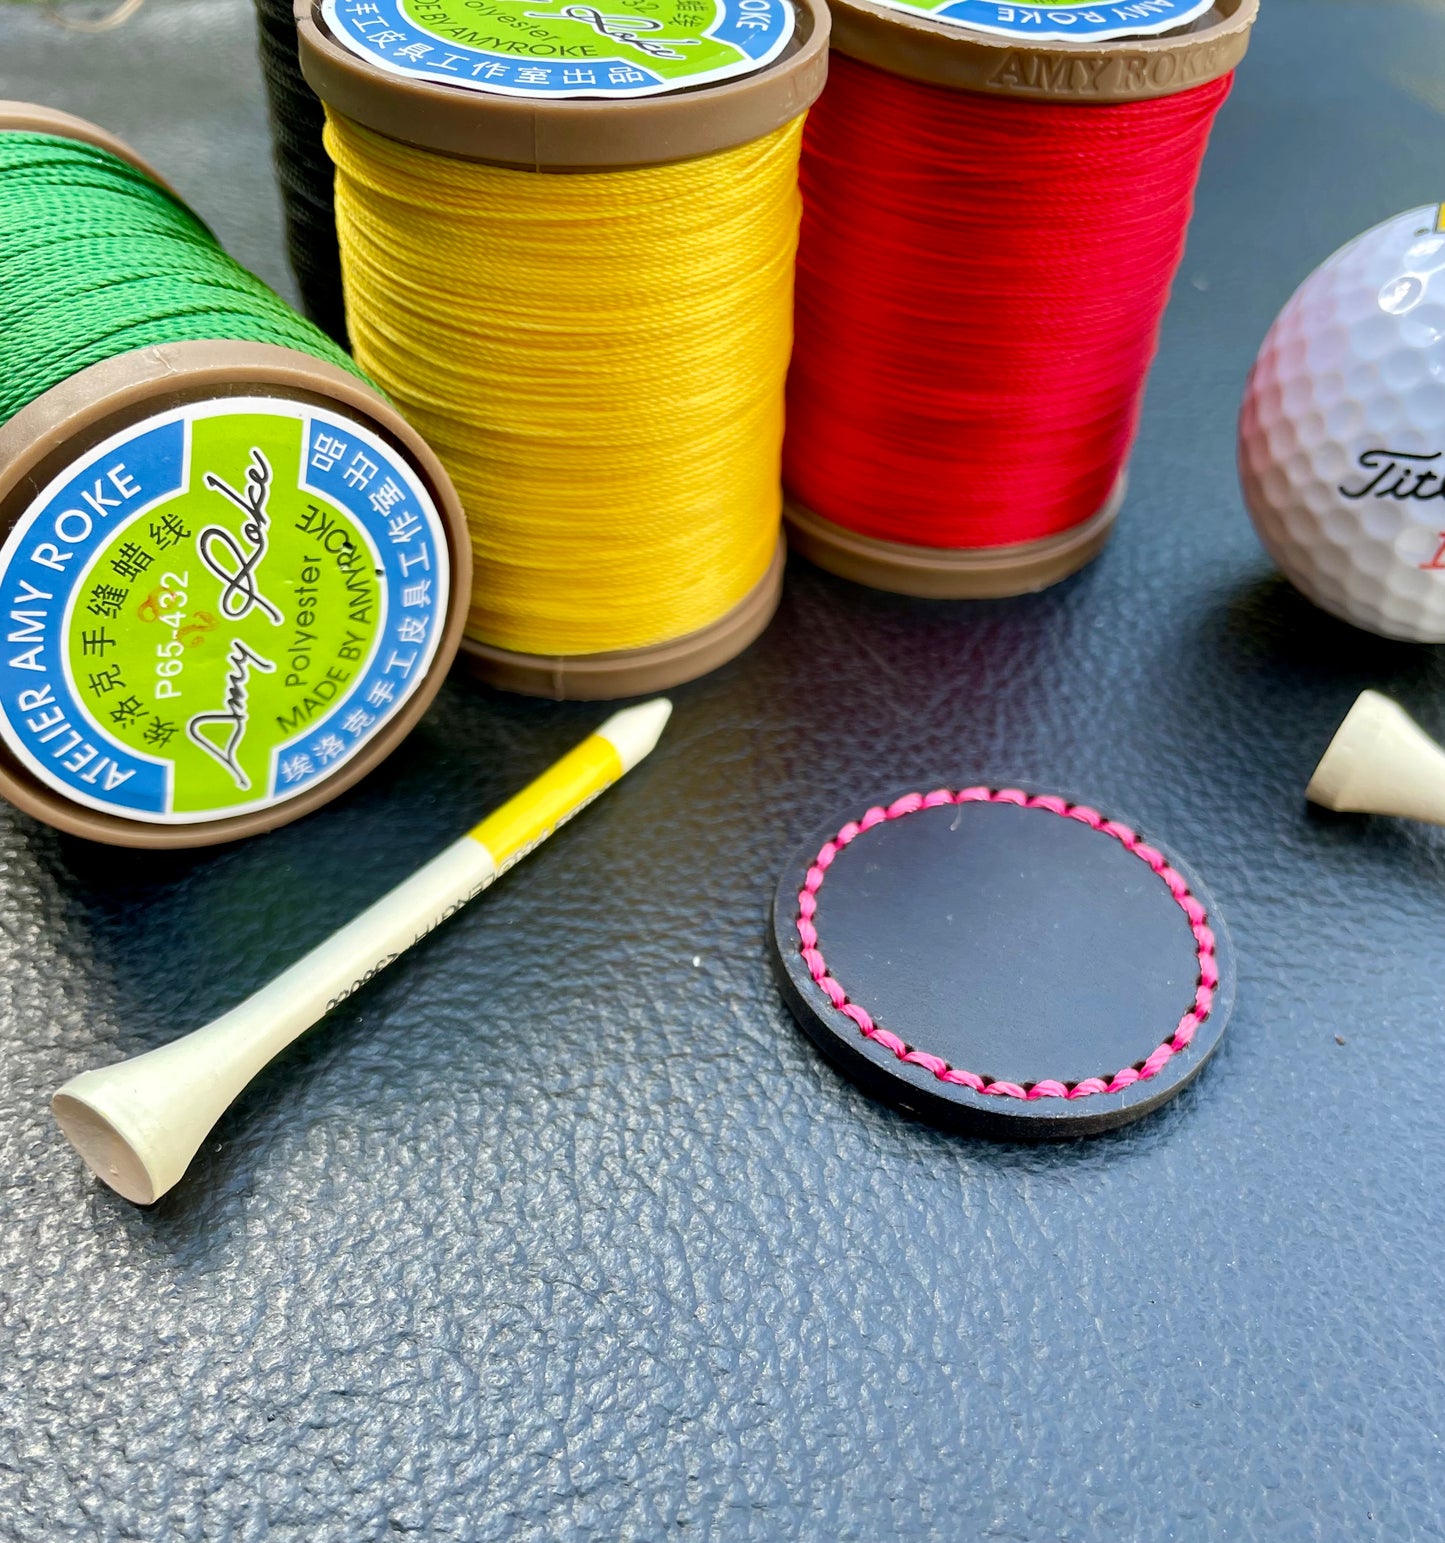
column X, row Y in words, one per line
column 1003, row 962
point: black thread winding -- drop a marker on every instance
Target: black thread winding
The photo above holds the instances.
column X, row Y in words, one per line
column 303, row 170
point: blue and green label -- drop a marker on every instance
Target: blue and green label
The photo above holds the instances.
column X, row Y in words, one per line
column 1055, row 21
column 216, row 609
column 563, row 48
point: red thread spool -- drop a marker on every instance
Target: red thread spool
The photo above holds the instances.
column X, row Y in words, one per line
column 990, row 230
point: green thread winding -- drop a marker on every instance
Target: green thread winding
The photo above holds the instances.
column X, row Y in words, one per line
column 97, row 259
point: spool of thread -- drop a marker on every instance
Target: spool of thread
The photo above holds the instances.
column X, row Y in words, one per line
column 568, row 254
column 303, row 170
column 231, row 576
column 995, row 203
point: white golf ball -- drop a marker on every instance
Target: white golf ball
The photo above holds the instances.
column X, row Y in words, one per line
column 1342, row 433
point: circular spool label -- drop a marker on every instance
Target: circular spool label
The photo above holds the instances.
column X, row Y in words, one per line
column 1052, row 21
column 216, row 609
column 553, row 49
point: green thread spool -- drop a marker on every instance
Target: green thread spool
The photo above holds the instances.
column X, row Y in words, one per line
column 232, row 577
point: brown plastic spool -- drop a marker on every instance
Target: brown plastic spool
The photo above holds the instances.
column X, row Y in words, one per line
column 578, row 136
column 1119, row 70
column 31, row 118
column 571, row 135
column 951, row 573
column 937, row 54
column 634, row 671
column 66, row 421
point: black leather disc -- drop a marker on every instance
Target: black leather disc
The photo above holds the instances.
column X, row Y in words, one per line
column 1013, row 965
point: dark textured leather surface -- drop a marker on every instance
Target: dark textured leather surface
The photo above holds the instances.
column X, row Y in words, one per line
column 561, row 1230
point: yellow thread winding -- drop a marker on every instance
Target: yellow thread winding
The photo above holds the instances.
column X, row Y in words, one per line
column 598, row 358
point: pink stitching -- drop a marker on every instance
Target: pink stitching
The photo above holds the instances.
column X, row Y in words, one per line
column 911, row 803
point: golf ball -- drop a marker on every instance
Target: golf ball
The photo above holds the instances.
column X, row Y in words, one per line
column 1342, row 433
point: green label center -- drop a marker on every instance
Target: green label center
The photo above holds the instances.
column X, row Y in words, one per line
column 666, row 35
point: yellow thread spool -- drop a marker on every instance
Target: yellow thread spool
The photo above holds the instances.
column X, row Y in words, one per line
column 585, row 306
column 632, row 499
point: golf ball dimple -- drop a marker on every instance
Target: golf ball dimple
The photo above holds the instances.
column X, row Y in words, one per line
column 1342, row 435
column 1342, row 432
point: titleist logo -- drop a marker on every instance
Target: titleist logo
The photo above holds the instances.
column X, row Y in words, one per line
column 1403, row 476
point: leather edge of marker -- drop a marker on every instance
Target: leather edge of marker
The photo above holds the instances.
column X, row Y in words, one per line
column 950, row 573
column 884, row 1073
column 573, row 135
column 68, row 420
column 633, row 671
column 1119, row 70
column 33, row 118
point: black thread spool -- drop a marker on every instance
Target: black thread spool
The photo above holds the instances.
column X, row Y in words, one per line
column 303, row 170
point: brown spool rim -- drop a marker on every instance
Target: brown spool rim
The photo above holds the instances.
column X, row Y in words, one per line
column 950, row 573
column 1118, row 70
column 572, row 135
column 68, row 420
column 31, row 118
column 633, row 671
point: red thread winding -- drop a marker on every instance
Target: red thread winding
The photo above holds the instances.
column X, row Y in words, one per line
column 911, row 803
column 980, row 285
